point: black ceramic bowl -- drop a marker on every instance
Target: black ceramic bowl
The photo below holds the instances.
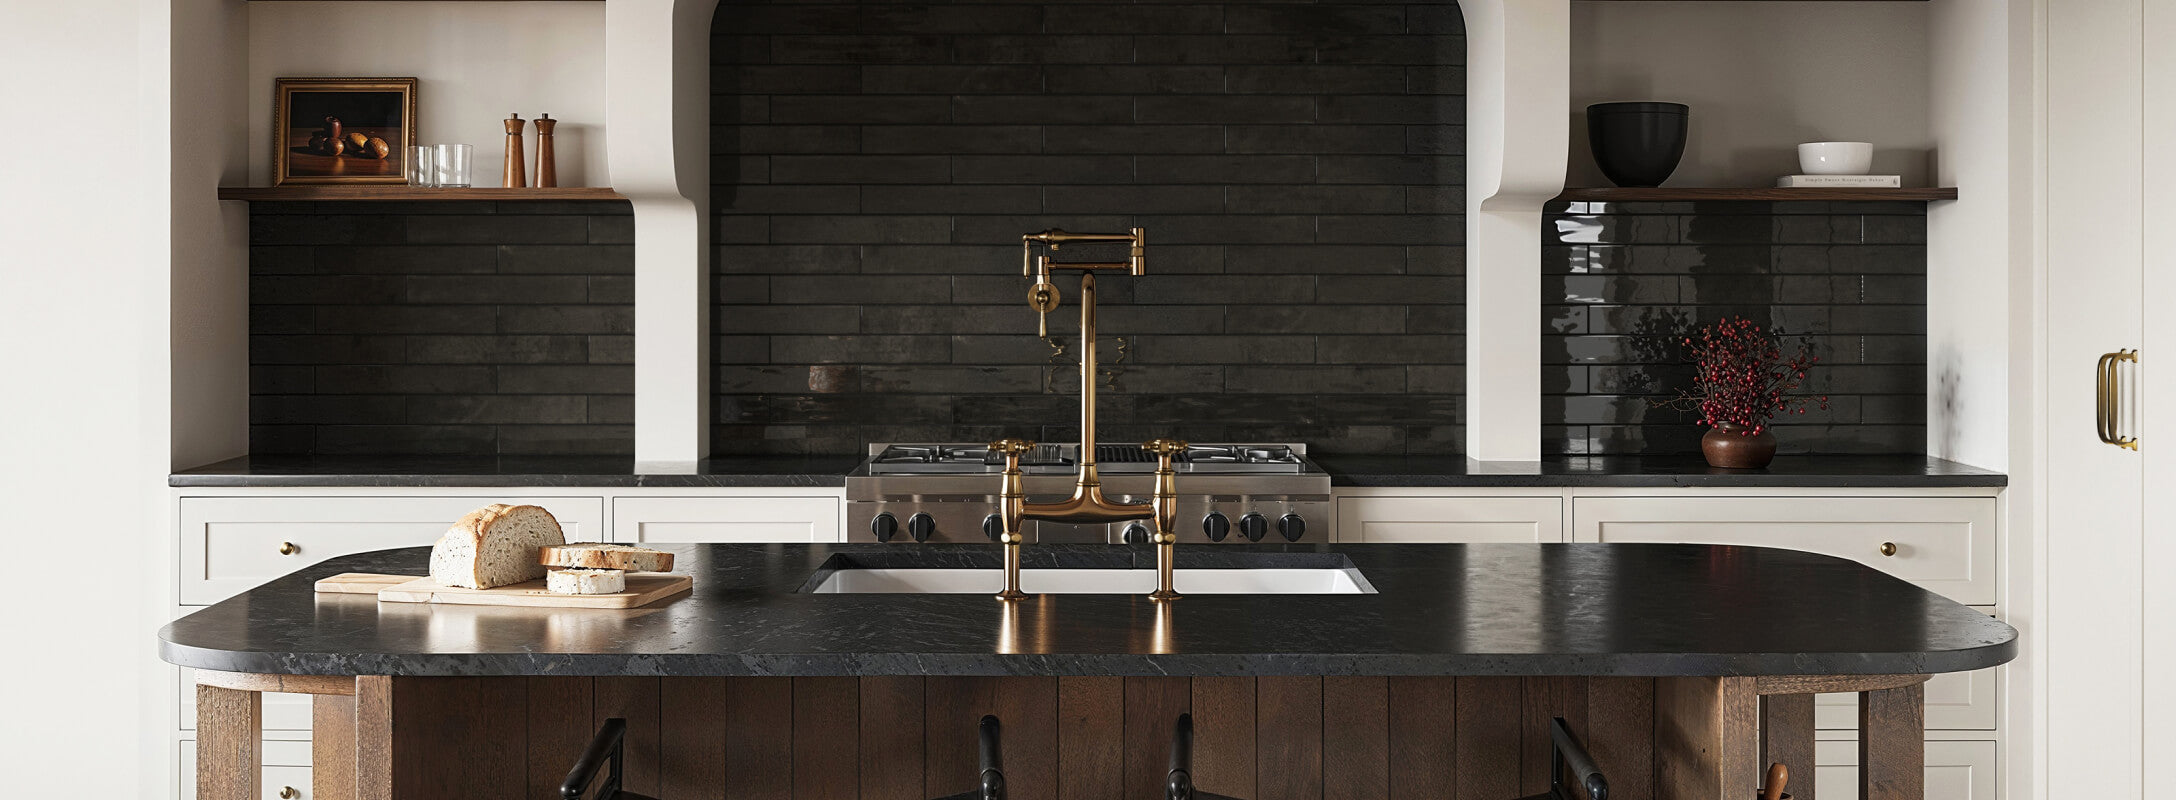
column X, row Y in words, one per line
column 1637, row 144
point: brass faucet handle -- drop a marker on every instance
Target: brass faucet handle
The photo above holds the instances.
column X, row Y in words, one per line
column 1011, row 447
column 1165, row 447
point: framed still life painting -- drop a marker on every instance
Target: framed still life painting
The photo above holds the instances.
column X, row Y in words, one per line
column 342, row 130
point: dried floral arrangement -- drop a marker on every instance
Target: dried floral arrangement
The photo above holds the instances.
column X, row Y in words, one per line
column 1743, row 378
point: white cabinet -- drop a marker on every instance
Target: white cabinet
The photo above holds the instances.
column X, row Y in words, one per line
column 230, row 544
column 726, row 519
column 1410, row 519
column 1943, row 544
column 1956, row 770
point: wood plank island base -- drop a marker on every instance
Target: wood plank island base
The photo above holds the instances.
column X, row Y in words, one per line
column 1440, row 684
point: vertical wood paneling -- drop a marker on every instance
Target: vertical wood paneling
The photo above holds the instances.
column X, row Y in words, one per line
column 891, row 738
column 954, row 708
column 229, row 723
column 636, row 700
column 1621, row 734
column 1488, row 738
column 759, row 740
column 455, row 737
column 826, row 738
column 1288, row 729
column 1423, row 738
column 1786, row 737
column 332, row 747
column 1355, row 738
column 692, row 717
column 1705, row 737
column 499, row 739
column 374, row 746
column 1091, row 729
column 1543, row 699
column 1892, row 745
column 1224, row 726
column 1153, row 706
column 1029, row 708
column 560, row 726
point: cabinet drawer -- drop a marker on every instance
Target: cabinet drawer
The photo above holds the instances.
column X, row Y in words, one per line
column 726, row 519
column 231, row 544
column 1392, row 520
column 1944, row 544
column 275, row 779
column 1961, row 701
column 1956, row 770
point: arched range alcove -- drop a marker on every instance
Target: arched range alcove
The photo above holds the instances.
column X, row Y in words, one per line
column 1299, row 168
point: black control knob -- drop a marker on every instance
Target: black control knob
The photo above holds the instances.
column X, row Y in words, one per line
column 1292, row 527
column 920, row 526
column 1253, row 526
column 993, row 526
column 1217, row 526
column 885, row 526
column 1136, row 533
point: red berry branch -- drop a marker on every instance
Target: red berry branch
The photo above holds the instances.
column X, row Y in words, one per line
column 1743, row 378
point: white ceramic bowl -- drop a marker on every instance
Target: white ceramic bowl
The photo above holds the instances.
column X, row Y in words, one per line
column 1836, row 158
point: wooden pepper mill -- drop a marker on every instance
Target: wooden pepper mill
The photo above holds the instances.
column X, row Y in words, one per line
column 547, row 165
column 517, row 166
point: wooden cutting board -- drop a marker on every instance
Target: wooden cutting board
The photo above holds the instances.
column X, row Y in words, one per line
column 643, row 588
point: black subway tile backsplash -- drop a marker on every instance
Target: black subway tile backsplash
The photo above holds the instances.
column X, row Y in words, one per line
column 1622, row 282
column 441, row 328
column 1297, row 167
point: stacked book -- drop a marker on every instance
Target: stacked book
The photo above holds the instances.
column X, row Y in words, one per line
column 1839, row 181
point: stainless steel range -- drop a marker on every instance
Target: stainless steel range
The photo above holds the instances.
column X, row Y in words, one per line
column 1229, row 493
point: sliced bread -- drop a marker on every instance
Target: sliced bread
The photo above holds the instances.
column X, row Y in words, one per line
column 494, row 546
column 586, row 581
column 592, row 555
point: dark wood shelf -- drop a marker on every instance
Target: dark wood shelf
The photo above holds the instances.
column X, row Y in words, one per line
column 1769, row 195
column 412, row 193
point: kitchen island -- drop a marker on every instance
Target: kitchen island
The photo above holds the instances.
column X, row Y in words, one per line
column 1685, row 668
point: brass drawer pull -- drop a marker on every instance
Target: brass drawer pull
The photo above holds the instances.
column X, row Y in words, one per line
column 289, row 793
column 1888, row 548
column 2108, row 398
column 289, row 548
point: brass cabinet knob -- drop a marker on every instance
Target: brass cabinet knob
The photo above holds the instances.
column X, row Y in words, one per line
column 1888, row 548
column 289, row 793
column 289, row 548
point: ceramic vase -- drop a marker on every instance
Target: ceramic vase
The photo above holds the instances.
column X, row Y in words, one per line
column 1726, row 446
column 1637, row 144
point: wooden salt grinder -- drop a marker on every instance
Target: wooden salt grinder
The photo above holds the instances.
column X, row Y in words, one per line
column 547, row 166
column 517, row 169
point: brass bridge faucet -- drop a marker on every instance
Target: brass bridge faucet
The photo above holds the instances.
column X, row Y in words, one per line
column 1087, row 505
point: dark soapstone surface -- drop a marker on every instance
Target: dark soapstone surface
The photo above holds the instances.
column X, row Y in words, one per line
column 1686, row 471
column 511, row 471
column 1440, row 609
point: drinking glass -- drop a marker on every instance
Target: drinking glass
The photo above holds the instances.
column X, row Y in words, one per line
column 450, row 164
column 418, row 168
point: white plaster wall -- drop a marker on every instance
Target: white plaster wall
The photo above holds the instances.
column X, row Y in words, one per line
column 1761, row 78
column 475, row 63
column 84, row 401
column 210, row 244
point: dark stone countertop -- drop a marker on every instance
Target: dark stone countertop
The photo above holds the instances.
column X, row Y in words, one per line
column 1906, row 472
column 1442, row 609
column 511, row 471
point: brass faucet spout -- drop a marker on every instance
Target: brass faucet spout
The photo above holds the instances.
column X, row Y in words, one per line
column 1087, row 505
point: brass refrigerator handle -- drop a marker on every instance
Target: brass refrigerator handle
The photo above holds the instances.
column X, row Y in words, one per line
column 2108, row 398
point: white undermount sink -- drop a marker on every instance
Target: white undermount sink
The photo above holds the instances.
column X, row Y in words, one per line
column 916, row 580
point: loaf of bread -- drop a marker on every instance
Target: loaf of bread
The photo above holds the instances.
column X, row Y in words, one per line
column 586, row 581
column 494, row 546
column 592, row 555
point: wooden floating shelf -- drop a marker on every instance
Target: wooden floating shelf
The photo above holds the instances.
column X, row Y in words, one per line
column 1770, row 195
column 412, row 193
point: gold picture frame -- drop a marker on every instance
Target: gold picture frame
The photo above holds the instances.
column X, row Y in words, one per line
column 377, row 123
